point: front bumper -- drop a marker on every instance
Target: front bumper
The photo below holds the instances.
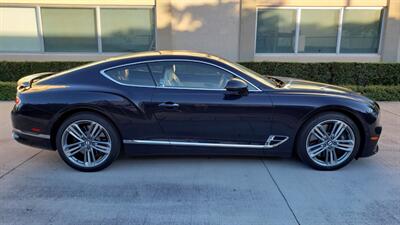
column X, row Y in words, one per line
column 32, row 139
column 370, row 146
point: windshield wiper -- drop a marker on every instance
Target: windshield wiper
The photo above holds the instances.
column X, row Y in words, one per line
column 277, row 82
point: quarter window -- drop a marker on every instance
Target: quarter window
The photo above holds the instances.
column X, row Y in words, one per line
column 132, row 75
column 190, row 75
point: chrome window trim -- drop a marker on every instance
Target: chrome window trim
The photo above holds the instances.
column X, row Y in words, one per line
column 203, row 144
column 103, row 72
column 44, row 136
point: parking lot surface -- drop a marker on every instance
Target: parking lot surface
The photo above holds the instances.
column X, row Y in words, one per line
column 36, row 187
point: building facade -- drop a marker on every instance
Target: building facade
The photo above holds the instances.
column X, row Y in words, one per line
column 239, row 30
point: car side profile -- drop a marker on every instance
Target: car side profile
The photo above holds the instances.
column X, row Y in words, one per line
column 179, row 102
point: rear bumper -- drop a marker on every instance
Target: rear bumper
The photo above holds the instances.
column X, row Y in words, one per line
column 32, row 139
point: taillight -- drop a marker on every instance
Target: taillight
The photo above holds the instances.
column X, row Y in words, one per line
column 17, row 100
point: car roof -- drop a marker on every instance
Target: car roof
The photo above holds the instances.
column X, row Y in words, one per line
column 148, row 55
column 183, row 53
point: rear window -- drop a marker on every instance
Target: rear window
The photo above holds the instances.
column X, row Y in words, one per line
column 131, row 75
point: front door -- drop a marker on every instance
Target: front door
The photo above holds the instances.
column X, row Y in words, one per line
column 191, row 105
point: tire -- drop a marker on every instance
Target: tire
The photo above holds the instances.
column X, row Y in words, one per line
column 95, row 150
column 320, row 149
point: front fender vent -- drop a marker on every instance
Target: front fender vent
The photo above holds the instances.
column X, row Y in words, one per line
column 275, row 140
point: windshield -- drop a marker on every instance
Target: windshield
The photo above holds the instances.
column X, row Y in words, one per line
column 269, row 81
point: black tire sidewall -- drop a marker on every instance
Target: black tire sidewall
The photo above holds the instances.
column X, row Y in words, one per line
column 115, row 140
column 310, row 124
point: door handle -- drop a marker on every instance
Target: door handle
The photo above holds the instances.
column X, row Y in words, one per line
column 168, row 105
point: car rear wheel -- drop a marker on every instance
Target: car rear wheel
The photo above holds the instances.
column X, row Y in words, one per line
column 328, row 141
column 88, row 142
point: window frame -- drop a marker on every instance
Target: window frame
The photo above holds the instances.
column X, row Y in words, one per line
column 97, row 27
column 339, row 33
column 104, row 73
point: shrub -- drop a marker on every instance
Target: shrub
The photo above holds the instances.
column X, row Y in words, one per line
column 379, row 92
column 376, row 92
column 360, row 74
column 7, row 90
column 12, row 71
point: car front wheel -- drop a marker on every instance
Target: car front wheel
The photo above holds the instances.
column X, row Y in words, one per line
column 328, row 141
column 88, row 142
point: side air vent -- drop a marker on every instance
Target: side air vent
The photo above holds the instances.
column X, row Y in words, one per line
column 275, row 140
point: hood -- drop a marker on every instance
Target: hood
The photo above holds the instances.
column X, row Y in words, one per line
column 304, row 85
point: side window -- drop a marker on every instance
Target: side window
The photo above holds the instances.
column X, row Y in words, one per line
column 189, row 75
column 132, row 75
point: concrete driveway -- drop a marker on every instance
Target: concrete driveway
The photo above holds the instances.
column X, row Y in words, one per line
column 36, row 187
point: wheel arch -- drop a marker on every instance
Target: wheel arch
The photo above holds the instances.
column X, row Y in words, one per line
column 68, row 113
column 336, row 109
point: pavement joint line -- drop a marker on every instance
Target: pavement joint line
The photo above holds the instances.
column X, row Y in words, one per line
column 20, row 164
column 391, row 112
column 281, row 192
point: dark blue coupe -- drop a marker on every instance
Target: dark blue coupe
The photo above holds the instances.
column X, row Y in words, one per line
column 176, row 102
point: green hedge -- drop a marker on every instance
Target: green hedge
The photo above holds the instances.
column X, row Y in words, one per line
column 360, row 74
column 379, row 92
column 7, row 90
column 12, row 71
column 376, row 92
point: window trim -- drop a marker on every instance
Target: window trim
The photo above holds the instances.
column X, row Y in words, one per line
column 103, row 72
column 339, row 35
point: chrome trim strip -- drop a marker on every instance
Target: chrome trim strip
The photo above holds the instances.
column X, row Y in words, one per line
column 44, row 136
column 103, row 72
column 146, row 142
column 216, row 145
column 272, row 138
column 201, row 144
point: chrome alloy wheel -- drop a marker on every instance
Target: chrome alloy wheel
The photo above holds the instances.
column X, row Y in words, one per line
column 86, row 143
column 330, row 143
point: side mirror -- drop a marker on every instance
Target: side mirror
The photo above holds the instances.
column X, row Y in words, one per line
column 236, row 87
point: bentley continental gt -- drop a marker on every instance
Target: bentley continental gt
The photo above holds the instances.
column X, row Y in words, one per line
column 178, row 102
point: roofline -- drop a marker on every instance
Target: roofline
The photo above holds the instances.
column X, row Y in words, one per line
column 182, row 53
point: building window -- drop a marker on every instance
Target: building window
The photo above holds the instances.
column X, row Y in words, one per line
column 18, row 30
column 318, row 30
column 276, row 31
column 361, row 31
column 127, row 30
column 69, row 30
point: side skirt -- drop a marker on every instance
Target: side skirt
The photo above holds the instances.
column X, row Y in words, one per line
column 272, row 142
